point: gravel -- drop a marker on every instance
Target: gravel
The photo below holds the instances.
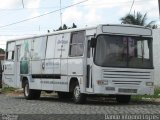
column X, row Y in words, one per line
column 52, row 105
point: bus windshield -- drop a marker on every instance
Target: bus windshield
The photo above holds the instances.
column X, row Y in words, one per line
column 123, row 51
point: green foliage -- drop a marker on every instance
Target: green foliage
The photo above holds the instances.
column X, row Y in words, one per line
column 141, row 97
column 2, row 51
column 138, row 19
column 7, row 89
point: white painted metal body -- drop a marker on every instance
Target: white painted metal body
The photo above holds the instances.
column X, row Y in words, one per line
column 156, row 56
column 48, row 65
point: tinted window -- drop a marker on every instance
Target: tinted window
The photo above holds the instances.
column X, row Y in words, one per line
column 88, row 49
column 124, row 51
column 76, row 45
column 78, row 37
column 12, row 55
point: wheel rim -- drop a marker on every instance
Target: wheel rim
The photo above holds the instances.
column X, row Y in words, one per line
column 76, row 92
column 26, row 90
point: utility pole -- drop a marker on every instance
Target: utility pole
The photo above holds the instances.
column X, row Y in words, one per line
column 159, row 7
column 23, row 3
column 131, row 6
column 39, row 28
column 61, row 13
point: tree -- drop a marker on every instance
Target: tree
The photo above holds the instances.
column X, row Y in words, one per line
column 2, row 51
column 138, row 19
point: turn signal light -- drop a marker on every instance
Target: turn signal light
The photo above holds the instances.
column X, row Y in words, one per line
column 102, row 82
column 149, row 84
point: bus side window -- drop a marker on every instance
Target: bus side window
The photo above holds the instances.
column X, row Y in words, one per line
column 76, row 44
column 6, row 55
column 9, row 55
column 10, row 51
column 12, row 55
column 88, row 49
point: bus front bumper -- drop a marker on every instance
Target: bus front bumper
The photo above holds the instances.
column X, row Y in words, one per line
column 125, row 90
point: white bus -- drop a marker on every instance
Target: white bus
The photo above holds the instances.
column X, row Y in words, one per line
column 113, row 60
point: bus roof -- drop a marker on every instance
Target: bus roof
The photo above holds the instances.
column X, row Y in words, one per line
column 73, row 30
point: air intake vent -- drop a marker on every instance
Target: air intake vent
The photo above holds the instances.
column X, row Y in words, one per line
column 126, row 82
column 126, row 77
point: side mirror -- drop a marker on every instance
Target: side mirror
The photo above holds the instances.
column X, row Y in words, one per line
column 93, row 42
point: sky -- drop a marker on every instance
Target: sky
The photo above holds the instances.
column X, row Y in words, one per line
column 88, row 13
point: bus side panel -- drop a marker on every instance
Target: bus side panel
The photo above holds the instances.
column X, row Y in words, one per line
column 36, row 67
column 37, row 62
column 64, row 62
column 48, row 64
column 9, row 65
column 35, row 83
column 8, row 74
column 75, row 69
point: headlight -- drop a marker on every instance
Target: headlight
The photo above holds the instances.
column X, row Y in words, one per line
column 102, row 82
column 149, row 84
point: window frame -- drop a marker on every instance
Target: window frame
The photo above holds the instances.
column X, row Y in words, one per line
column 10, row 50
column 151, row 50
column 12, row 56
column 76, row 44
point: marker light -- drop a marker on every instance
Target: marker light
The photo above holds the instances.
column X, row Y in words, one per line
column 149, row 83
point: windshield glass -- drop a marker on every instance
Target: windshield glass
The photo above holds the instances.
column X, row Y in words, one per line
column 122, row 51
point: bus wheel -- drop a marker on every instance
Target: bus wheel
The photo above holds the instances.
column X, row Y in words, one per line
column 78, row 97
column 30, row 94
column 123, row 98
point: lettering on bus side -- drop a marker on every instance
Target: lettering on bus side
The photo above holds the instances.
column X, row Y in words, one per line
column 52, row 82
column 62, row 42
column 8, row 66
column 50, row 64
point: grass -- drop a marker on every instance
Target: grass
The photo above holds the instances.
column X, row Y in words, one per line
column 7, row 90
column 141, row 97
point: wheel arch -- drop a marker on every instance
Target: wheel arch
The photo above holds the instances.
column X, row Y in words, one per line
column 73, row 81
column 24, row 79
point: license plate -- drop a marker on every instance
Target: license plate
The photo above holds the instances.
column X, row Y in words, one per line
column 110, row 88
column 127, row 90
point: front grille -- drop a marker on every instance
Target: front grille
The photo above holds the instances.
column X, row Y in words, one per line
column 126, row 77
column 121, row 90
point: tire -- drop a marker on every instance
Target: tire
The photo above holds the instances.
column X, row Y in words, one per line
column 78, row 97
column 30, row 94
column 63, row 95
column 124, row 99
